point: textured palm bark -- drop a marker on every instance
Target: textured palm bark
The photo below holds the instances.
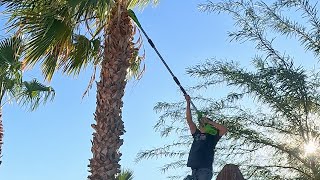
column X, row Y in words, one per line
column 1, row 135
column 230, row 172
column 110, row 89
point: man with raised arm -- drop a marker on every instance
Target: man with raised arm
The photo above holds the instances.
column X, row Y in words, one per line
column 205, row 139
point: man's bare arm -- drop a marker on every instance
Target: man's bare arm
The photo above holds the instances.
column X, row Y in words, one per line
column 192, row 125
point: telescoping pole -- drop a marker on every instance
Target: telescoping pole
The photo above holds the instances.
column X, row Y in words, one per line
column 134, row 17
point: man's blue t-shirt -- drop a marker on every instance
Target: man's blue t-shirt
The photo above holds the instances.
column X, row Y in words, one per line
column 202, row 150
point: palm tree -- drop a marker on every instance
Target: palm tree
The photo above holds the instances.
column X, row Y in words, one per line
column 71, row 35
column 29, row 94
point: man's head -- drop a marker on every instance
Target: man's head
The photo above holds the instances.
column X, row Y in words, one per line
column 202, row 123
column 206, row 127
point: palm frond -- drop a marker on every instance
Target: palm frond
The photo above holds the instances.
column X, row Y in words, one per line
column 141, row 3
column 90, row 8
column 33, row 93
column 10, row 51
column 125, row 175
column 136, row 69
column 12, row 3
column 84, row 53
column 10, row 66
column 47, row 29
column 51, row 39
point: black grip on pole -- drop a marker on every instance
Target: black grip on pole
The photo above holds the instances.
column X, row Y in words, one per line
column 184, row 91
column 178, row 83
column 176, row 80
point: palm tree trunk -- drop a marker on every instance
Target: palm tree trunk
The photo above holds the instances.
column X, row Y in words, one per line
column 110, row 89
column 1, row 134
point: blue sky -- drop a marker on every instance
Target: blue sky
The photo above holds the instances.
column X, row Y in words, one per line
column 53, row 143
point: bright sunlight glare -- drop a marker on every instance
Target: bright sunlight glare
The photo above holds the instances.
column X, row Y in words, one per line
column 310, row 147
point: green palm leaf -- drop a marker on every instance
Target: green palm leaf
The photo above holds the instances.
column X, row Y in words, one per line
column 27, row 93
column 48, row 30
column 33, row 93
column 10, row 51
column 84, row 52
column 10, row 67
column 125, row 175
column 53, row 37
column 90, row 8
column 141, row 3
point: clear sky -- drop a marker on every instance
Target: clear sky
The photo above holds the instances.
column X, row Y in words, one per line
column 53, row 143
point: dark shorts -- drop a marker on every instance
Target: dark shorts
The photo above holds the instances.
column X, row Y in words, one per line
column 202, row 174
